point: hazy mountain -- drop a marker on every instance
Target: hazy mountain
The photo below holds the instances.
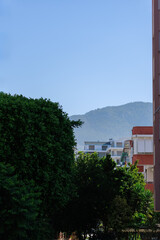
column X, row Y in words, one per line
column 112, row 122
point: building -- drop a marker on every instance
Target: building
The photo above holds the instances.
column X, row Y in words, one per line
column 96, row 146
column 156, row 98
column 127, row 151
column 114, row 148
column 142, row 150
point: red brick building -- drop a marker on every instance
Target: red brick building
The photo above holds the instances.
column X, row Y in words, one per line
column 142, row 151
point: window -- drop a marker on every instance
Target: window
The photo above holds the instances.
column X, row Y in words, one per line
column 141, row 146
column 112, row 144
column 158, row 4
column 119, row 153
column 104, row 148
column 119, row 144
column 148, row 146
column 150, row 174
column 91, row 147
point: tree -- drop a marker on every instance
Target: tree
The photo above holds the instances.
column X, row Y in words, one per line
column 132, row 189
column 93, row 178
column 110, row 197
column 37, row 140
column 19, row 206
column 120, row 214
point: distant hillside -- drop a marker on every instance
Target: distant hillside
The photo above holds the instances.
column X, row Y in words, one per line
column 112, row 122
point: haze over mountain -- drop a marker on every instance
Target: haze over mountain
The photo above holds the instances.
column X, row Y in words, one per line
column 112, row 122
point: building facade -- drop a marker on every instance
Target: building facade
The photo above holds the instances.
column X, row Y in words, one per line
column 156, row 98
column 112, row 147
column 142, row 150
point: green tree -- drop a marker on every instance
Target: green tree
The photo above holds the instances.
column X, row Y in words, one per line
column 93, row 178
column 37, row 139
column 19, row 206
column 132, row 189
column 120, row 214
column 114, row 198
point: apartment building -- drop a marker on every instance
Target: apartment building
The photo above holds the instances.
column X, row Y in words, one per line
column 116, row 150
column 112, row 147
column 142, row 150
column 96, row 146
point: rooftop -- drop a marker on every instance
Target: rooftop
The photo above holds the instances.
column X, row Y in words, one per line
column 142, row 130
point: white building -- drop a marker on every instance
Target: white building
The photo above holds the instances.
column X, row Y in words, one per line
column 114, row 148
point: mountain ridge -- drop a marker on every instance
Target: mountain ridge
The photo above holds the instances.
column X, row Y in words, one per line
column 112, row 122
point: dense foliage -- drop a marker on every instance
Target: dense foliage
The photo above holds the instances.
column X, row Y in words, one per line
column 108, row 198
column 37, row 140
column 94, row 181
column 19, row 205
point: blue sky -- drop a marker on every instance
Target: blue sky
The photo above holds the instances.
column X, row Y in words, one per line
column 84, row 54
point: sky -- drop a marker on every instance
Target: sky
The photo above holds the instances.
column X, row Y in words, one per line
column 84, row 54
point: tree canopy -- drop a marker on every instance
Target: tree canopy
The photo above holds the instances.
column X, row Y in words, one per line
column 19, row 205
column 108, row 197
column 37, row 140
